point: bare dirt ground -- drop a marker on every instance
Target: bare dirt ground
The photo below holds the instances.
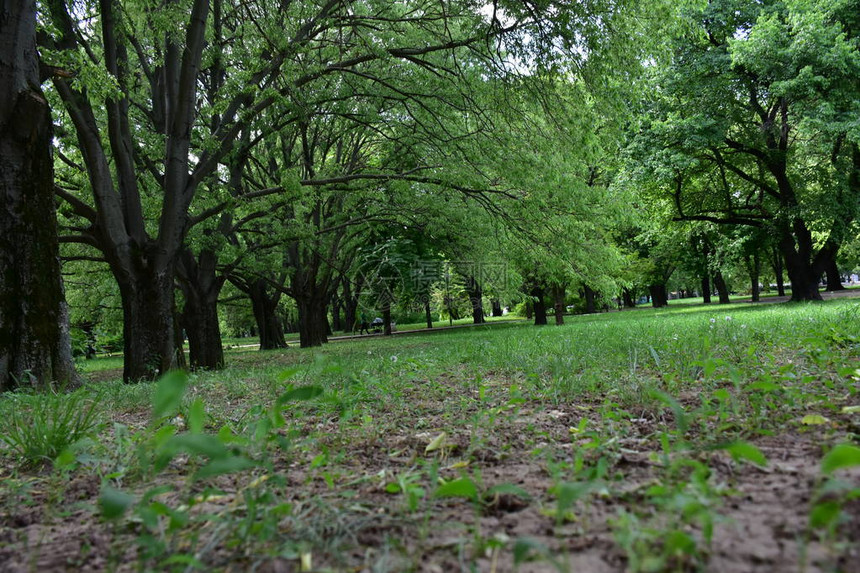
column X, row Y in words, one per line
column 762, row 523
column 344, row 515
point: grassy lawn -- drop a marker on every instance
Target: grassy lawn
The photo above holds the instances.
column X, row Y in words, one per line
column 712, row 438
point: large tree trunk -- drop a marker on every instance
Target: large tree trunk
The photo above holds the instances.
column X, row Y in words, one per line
column 754, row 269
column 178, row 342
column 722, row 288
column 350, row 306
column 265, row 307
column 200, row 322
column 659, row 296
column 386, row 319
column 35, row 348
column 706, row 289
column 796, row 251
column 201, row 287
column 538, row 293
column 337, row 323
column 312, row 321
column 476, row 297
column 589, row 295
column 428, row 316
column 496, row 306
column 142, row 265
column 834, row 279
column 148, row 324
column 627, row 297
column 778, row 270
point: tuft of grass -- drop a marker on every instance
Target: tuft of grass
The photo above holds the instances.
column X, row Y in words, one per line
column 39, row 427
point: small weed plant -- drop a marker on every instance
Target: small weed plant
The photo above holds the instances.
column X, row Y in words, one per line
column 39, row 427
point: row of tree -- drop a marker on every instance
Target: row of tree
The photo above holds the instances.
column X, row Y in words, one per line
column 333, row 151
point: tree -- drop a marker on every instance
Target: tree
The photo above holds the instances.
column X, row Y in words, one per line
column 162, row 92
column 754, row 127
column 35, row 348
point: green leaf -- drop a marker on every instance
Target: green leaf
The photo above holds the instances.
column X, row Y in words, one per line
column 300, row 394
column 746, row 451
column 168, row 393
column 113, row 502
column 183, row 559
column 509, row 489
column 840, row 457
column 680, row 543
column 436, row 443
column 526, row 548
column 763, row 386
column 677, row 409
column 462, row 487
column 392, row 487
column 199, row 444
column 851, row 410
column 289, row 373
column 824, row 514
column 814, row 420
column 655, row 356
column 152, row 493
column 196, row 416
column 566, row 495
column 223, row 466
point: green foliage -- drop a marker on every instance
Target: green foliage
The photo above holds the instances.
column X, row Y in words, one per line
column 840, row 457
column 40, row 427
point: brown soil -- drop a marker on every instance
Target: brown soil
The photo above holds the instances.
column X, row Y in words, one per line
column 763, row 523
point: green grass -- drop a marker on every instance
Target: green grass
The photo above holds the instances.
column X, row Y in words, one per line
column 348, row 454
column 99, row 363
column 39, row 428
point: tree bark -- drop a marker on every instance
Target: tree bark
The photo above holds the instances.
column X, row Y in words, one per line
column 496, row 306
column 200, row 323
column 834, row 279
column 659, row 296
column 778, row 270
column 755, row 274
column 148, row 325
column 706, row 289
column 337, row 323
column 796, row 247
column 722, row 288
column 386, row 318
column 265, row 305
column 178, row 342
column 589, row 295
column 201, row 287
column 350, row 305
column 476, row 298
column 428, row 316
column 312, row 321
column 627, row 297
column 35, row 346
